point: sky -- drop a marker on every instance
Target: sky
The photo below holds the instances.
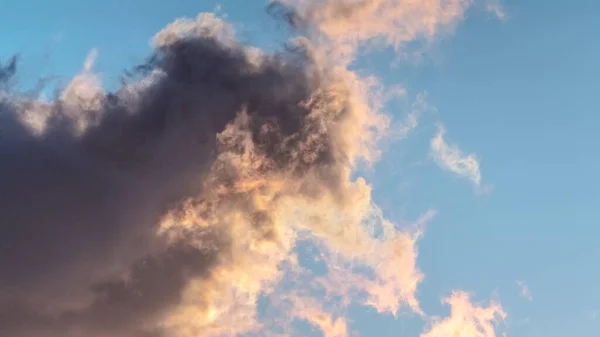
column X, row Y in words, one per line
column 494, row 135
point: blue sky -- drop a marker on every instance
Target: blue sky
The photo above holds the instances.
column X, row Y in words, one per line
column 519, row 93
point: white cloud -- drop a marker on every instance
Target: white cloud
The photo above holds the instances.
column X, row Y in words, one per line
column 451, row 158
column 524, row 290
column 402, row 129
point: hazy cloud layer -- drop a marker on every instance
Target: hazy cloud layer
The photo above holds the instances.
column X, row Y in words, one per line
column 173, row 205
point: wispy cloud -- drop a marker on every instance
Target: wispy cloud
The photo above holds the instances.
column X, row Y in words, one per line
column 524, row 290
column 392, row 22
column 402, row 129
column 495, row 7
column 451, row 158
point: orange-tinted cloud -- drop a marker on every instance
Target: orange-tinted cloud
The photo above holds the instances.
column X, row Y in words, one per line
column 466, row 319
column 169, row 207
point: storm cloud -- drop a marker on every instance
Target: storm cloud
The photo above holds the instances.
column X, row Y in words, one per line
column 167, row 207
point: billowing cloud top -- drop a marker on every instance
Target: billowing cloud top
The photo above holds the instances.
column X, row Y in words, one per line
column 171, row 206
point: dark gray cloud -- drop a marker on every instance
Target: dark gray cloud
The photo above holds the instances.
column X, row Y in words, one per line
column 168, row 207
column 80, row 208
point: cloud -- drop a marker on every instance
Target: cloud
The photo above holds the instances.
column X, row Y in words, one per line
column 404, row 128
column 466, row 319
column 524, row 290
column 172, row 205
column 348, row 24
column 495, row 7
column 451, row 158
